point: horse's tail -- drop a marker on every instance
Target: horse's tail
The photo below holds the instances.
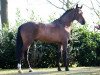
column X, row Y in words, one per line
column 19, row 44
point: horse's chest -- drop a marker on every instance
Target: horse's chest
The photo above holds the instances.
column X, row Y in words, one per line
column 68, row 29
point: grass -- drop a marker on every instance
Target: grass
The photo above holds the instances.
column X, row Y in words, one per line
column 53, row 71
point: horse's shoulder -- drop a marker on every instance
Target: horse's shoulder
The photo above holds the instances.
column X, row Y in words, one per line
column 68, row 29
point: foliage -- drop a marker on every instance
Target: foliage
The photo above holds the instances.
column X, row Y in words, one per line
column 84, row 49
column 31, row 17
column 85, row 45
column 7, row 48
column 44, row 54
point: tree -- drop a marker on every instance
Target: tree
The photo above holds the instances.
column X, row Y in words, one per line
column 96, row 11
column 66, row 4
column 62, row 2
column 4, row 13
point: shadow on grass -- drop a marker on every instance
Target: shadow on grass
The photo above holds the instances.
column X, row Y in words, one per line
column 59, row 73
column 34, row 73
column 52, row 71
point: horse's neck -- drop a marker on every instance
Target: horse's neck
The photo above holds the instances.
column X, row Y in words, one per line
column 67, row 20
column 64, row 21
column 61, row 25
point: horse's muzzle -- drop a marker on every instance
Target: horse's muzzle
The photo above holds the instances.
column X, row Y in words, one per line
column 82, row 22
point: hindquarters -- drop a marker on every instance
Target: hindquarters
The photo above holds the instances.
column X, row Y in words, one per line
column 19, row 44
column 25, row 36
column 29, row 31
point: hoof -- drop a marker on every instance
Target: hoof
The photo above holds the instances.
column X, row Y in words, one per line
column 30, row 70
column 66, row 69
column 59, row 69
column 20, row 71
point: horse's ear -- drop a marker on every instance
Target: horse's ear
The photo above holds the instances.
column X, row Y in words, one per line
column 77, row 6
column 81, row 6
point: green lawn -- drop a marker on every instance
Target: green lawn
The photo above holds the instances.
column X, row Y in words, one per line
column 53, row 71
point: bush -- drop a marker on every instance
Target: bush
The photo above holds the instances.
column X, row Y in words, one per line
column 7, row 48
column 85, row 45
column 84, row 50
column 44, row 55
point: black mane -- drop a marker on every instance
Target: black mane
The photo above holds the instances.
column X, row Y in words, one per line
column 67, row 11
column 59, row 21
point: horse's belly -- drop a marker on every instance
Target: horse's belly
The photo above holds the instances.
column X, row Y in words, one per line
column 48, row 38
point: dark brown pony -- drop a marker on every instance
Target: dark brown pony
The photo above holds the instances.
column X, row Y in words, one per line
column 57, row 31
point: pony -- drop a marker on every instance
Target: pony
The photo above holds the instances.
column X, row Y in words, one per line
column 57, row 32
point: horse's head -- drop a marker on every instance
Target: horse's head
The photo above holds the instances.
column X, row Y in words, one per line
column 79, row 15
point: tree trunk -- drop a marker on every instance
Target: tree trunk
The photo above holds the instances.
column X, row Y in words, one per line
column 4, row 13
column 67, row 5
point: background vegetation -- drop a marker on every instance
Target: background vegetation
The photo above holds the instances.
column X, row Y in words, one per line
column 84, row 48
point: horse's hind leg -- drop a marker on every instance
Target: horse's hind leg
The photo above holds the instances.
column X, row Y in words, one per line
column 23, row 54
column 27, row 56
column 26, row 52
column 20, row 57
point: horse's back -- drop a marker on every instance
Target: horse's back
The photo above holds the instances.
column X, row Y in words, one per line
column 43, row 32
column 28, row 26
column 49, row 33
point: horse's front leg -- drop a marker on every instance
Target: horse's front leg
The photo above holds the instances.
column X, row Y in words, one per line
column 65, row 56
column 58, row 57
